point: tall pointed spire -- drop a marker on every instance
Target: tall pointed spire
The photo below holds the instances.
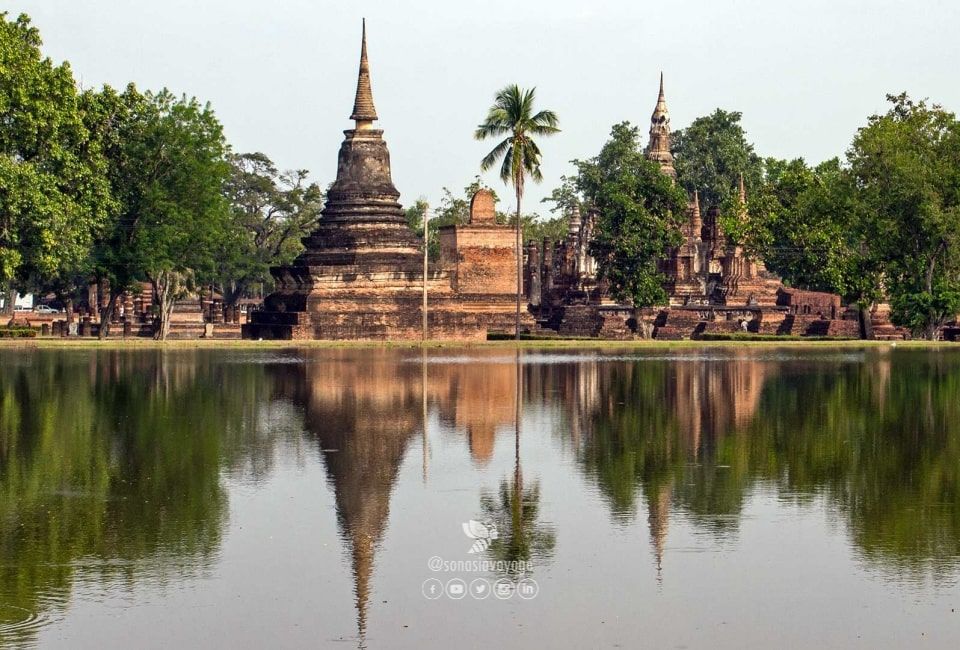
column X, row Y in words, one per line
column 661, row 107
column 658, row 149
column 696, row 220
column 364, row 111
column 742, row 208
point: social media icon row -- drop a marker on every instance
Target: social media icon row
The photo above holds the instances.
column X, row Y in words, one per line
column 479, row 588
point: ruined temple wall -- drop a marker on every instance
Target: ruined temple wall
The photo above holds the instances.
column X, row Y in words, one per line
column 482, row 259
column 809, row 302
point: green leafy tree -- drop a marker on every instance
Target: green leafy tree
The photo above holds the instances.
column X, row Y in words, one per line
column 804, row 222
column 536, row 228
column 168, row 168
column 906, row 164
column 118, row 120
column 416, row 214
column 641, row 211
column 512, row 115
column 271, row 211
column 566, row 197
column 709, row 156
column 184, row 212
column 53, row 193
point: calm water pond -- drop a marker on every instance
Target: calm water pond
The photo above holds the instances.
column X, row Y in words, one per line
column 713, row 498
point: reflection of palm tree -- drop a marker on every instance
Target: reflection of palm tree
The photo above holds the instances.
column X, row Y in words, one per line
column 515, row 509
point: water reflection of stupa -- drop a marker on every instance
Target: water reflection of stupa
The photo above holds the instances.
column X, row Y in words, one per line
column 364, row 407
column 363, row 415
column 479, row 402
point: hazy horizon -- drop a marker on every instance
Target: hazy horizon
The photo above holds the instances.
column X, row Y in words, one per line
column 282, row 80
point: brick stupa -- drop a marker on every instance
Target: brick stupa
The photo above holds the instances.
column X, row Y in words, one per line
column 361, row 275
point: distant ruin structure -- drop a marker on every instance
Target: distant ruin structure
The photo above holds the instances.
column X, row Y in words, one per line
column 714, row 287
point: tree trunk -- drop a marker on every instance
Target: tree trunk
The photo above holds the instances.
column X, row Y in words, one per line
column 519, row 244
column 644, row 326
column 10, row 303
column 165, row 288
column 106, row 314
column 866, row 321
column 933, row 320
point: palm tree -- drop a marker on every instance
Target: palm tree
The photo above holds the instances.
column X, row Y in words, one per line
column 512, row 115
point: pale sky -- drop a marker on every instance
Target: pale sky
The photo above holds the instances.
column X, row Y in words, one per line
column 281, row 75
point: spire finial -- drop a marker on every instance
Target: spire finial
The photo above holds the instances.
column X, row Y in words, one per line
column 658, row 149
column 743, row 190
column 661, row 108
column 696, row 221
column 363, row 110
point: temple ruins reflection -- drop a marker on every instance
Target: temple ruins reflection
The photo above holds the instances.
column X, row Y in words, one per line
column 118, row 464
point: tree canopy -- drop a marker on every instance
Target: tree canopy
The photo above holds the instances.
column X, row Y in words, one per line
column 54, row 196
column 804, row 222
column 168, row 166
column 906, row 166
column 709, row 156
column 641, row 211
column 272, row 211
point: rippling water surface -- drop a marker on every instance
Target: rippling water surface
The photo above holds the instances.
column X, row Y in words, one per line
column 704, row 498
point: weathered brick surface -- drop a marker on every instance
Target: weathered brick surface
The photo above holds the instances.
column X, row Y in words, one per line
column 805, row 303
column 482, row 258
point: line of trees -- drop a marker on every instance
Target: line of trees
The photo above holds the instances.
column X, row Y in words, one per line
column 130, row 187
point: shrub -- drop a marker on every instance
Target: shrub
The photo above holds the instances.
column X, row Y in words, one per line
column 17, row 333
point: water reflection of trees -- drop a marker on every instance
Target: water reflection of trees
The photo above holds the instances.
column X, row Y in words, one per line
column 880, row 439
column 110, row 469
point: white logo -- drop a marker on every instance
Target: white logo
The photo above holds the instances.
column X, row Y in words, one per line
column 432, row 589
column 528, row 588
column 480, row 588
column 456, row 589
column 503, row 588
column 484, row 532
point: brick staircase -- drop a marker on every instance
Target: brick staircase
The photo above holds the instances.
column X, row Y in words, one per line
column 806, row 325
column 881, row 327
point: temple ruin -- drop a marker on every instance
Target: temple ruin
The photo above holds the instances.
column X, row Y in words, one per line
column 361, row 276
column 714, row 287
